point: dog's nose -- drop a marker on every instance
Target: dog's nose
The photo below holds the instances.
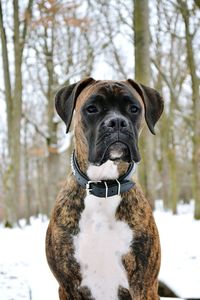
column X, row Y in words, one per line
column 116, row 123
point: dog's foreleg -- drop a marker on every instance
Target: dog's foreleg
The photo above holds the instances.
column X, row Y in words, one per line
column 82, row 293
column 62, row 294
column 124, row 294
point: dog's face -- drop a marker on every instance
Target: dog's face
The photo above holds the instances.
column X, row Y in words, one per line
column 109, row 117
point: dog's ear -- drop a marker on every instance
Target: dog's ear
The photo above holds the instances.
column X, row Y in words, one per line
column 65, row 100
column 153, row 103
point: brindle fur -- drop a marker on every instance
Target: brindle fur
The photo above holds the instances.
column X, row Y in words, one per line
column 141, row 263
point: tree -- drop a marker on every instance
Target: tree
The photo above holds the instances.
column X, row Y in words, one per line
column 13, row 97
column 186, row 15
column 173, row 79
column 143, row 75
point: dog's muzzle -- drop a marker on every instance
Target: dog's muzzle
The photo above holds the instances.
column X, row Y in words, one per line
column 115, row 140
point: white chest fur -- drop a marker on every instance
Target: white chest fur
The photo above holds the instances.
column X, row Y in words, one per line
column 99, row 246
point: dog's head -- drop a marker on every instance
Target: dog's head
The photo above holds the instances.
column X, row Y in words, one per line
column 109, row 117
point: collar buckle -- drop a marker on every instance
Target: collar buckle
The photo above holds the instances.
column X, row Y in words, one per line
column 88, row 188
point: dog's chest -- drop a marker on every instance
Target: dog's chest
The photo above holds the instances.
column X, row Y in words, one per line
column 99, row 247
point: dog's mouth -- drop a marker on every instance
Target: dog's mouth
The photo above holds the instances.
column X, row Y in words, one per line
column 118, row 151
column 115, row 148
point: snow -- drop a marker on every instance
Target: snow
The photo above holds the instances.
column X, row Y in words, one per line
column 24, row 273
column 180, row 243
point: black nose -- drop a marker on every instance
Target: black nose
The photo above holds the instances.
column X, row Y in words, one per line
column 116, row 123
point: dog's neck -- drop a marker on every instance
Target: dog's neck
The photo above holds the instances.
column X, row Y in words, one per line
column 103, row 181
column 109, row 170
column 106, row 171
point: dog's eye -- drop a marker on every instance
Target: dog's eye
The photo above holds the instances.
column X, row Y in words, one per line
column 92, row 109
column 134, row 109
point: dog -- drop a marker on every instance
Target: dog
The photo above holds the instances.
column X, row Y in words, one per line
column 102, row 242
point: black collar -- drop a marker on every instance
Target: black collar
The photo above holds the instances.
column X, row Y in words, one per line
column 103, row 188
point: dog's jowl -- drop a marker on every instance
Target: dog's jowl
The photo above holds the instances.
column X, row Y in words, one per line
column 102, row 242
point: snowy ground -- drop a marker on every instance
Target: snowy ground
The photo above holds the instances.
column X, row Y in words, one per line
column 24, row 273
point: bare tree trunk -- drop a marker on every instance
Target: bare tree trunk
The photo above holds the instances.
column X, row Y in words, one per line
column 17, row 108
column 53, row 160
column 41, row 194
column 196, row 106
column 171, row 153
column 14, row 107
column 27, row 178
column 163, row 142
column 9, row 212
column 6, row 74
column 174, row 82
column 163, row 137
column 142, row 41
column 142, row 75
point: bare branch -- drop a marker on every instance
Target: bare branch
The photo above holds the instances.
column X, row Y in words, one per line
column 164, row 76
column 37, row 129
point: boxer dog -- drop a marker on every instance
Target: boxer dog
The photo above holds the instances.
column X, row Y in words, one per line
column 102, row 242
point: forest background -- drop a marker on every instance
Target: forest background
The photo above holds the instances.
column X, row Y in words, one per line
column 46, row 44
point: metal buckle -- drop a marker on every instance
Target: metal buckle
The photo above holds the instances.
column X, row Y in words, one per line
column 88, row 189
column 119, row 187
